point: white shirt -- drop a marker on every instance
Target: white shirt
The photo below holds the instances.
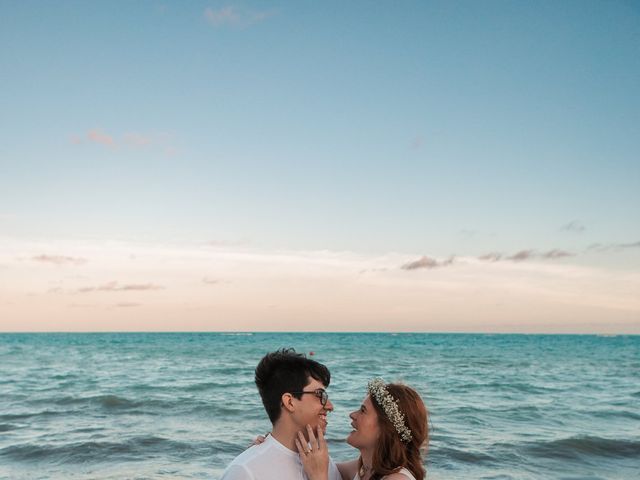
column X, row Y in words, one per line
column 271, row 461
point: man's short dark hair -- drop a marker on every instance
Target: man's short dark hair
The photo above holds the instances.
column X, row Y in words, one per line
column 285, row 371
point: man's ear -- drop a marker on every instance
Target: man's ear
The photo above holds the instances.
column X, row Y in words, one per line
column 287, row 402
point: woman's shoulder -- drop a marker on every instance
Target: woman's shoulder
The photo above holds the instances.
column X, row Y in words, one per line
column 402, row 474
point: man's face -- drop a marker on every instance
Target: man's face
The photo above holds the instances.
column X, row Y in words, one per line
column 309, row 409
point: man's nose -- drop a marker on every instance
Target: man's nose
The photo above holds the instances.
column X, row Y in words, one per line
column 328, row 406
column 352, row 415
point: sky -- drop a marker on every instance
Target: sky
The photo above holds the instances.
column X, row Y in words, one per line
column 336, row 166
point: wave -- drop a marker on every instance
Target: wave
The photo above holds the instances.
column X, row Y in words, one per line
column 113, row 403
column 135, row 448
column 64, row 376
column 515, row 387
column 626, row 414
column 106, row 401
column 482, row 414
column 464, row 456
column 25, row 416
column 197, row 387
column 577, row 447
column 5, row 427
column 213, row 410
column 118, row 405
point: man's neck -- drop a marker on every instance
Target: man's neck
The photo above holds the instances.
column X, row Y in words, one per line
column 286, row 435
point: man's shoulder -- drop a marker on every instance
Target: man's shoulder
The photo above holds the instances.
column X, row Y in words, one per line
column 236, row 472
column 260, row 461
column 241, row 466
column 250, row 455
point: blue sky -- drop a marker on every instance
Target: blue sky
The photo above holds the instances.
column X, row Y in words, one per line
column 430, row 129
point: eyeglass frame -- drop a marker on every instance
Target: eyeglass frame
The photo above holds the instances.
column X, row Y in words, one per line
column 320, row 393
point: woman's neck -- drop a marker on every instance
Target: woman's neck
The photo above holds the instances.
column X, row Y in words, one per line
column 366, row 456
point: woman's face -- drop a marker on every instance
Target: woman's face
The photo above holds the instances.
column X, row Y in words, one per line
column 366, row 430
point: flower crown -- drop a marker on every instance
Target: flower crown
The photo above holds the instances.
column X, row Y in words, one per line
column 378, row 389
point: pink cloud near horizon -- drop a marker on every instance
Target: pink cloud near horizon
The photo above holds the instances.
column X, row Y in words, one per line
column 234, row 17
column 161, row 142
column 137, row 139
column 115, row 287
column 98, row 136
column 427, row 262
column 59, row 259
column 530, row 254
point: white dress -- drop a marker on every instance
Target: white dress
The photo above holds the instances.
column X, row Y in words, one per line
column 403, row 471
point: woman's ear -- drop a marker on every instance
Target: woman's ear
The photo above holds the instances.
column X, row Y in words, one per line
column 287, row 402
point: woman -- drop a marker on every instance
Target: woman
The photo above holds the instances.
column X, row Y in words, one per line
column 389, row 429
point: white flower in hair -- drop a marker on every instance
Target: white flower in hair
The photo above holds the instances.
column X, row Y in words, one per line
column 378, row 389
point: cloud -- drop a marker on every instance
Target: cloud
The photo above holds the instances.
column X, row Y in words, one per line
column 521, row 256
column 315, row 284
column 524, row 255
column 226, row 243
column 600, row 247
column 224, row 15
column 59, row 260
column 98, row 136
column 137, row 139
column 115, row 287
column 127, row 304
column 131, row 140
column 426, row 262
column 170, row 151
column 556, row 253
column 573, row 226
column 422, row 262
column 233, row 17
column 367, row 270
column 417, row 142
column 491, row 257
column 215, row 281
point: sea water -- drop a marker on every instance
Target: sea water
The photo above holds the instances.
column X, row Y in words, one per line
column 183, row 405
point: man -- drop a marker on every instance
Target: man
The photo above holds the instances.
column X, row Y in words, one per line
column 292, row 388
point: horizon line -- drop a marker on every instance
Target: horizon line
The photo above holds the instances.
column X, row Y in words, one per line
column 251, row 332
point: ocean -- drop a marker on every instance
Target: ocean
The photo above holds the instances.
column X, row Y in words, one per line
column 183, row 405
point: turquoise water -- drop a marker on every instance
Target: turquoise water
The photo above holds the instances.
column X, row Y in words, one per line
column 183, row 405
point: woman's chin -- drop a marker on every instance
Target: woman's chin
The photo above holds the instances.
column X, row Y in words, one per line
column 350, row 440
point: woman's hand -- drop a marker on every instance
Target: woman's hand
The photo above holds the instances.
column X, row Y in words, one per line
column 259, row 439
column 314, row 454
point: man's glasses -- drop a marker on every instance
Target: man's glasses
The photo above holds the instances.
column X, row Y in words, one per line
column 320, row 393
